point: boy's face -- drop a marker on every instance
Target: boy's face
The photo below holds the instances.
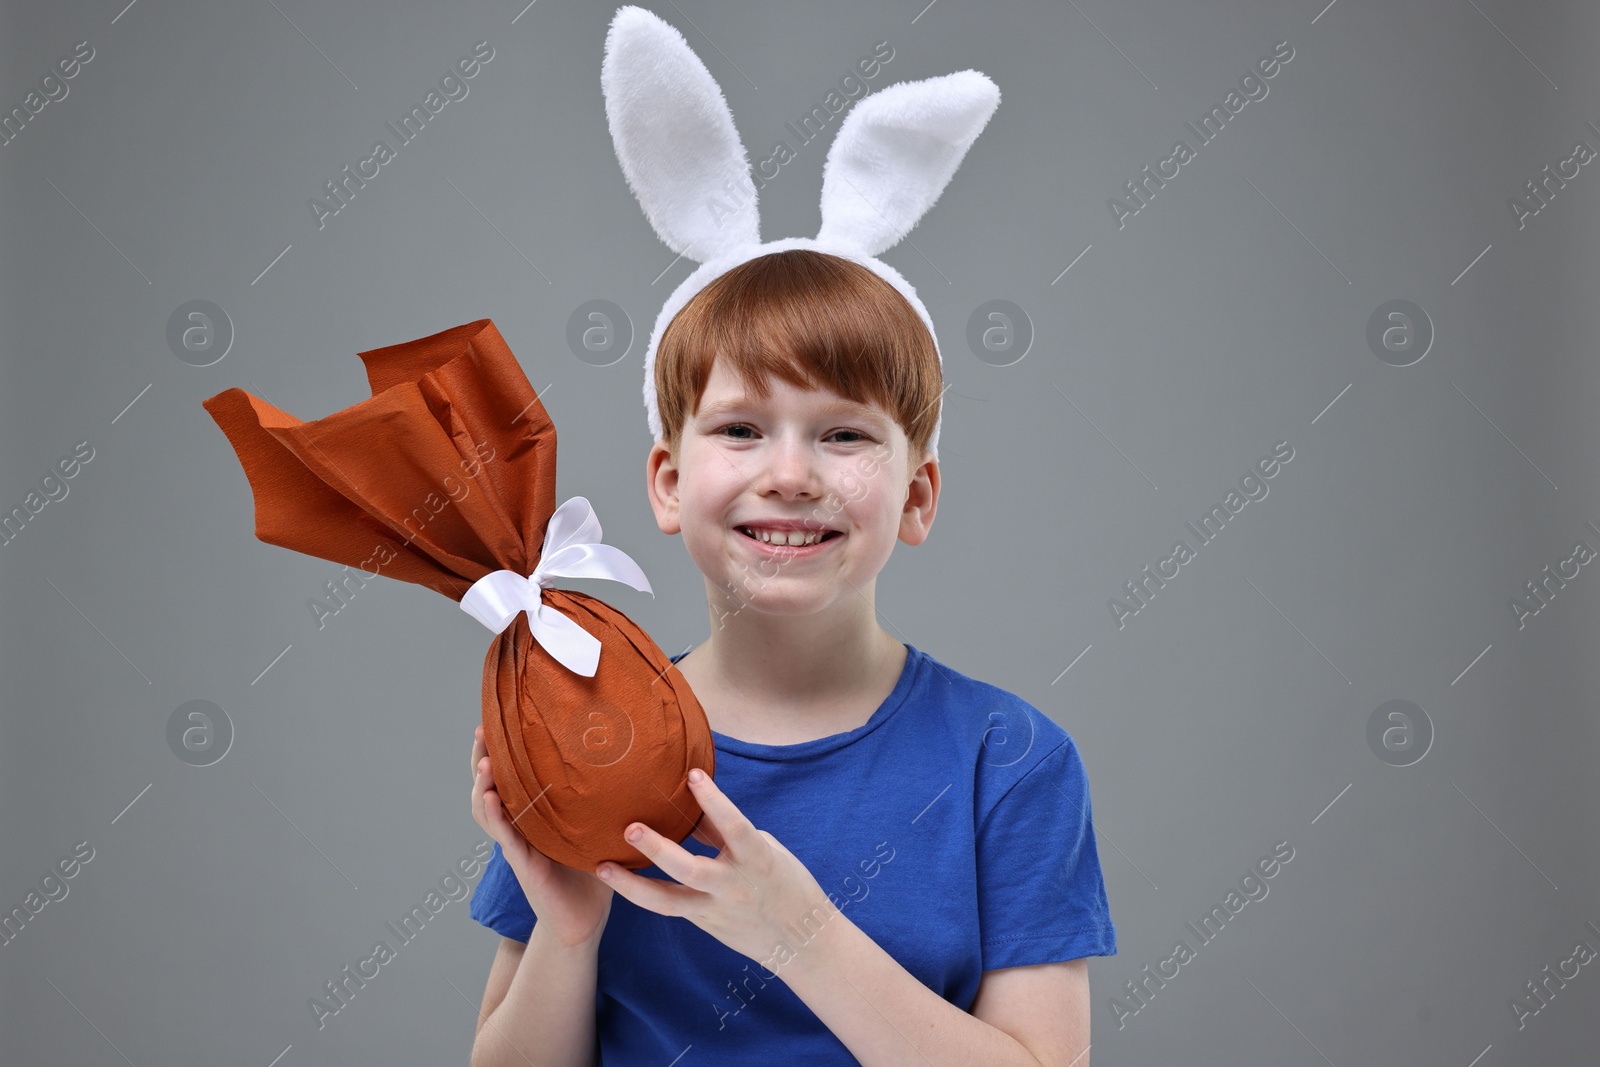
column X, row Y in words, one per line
column 800, row 454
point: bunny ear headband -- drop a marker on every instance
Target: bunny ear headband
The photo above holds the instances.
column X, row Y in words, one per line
column 893, row 155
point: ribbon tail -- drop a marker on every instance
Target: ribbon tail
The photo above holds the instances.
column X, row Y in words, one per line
column 568, row 643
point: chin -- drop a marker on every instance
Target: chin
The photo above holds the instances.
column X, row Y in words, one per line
column 744, row 600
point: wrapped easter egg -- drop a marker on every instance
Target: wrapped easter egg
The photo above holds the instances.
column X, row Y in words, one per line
column 446, row 477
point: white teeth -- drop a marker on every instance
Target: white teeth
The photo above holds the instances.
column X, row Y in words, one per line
column 784, row 537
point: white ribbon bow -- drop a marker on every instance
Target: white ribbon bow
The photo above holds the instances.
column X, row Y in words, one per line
column 572, row 549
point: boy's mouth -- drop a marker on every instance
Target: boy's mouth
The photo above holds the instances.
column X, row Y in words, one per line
column 787, row 538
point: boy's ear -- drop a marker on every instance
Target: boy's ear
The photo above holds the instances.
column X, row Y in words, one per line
column 661, row 483
column 922, row 500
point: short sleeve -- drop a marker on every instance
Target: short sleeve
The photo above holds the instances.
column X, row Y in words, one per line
column 499, row 903
column 1041, row 895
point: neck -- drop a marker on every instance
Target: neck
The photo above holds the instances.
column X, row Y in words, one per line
column 797, row 661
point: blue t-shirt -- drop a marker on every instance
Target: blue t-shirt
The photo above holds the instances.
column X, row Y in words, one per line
column 953, row 827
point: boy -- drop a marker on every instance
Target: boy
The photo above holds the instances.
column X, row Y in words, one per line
column 897, row 862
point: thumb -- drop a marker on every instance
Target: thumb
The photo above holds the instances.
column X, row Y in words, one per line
column 518, row 853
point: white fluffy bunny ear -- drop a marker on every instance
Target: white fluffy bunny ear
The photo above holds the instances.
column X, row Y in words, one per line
column 895, row 152
column 675, row 138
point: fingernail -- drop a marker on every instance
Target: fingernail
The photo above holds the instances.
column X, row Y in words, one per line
column 605, row 872
column 634, row 833
column 697, row 776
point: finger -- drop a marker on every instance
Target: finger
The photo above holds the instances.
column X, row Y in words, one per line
column 707, row 834
column 487, row 810
column 672, row 858
column 737, row 832
column 653, row 894
column 512, row 844
column 479, row 788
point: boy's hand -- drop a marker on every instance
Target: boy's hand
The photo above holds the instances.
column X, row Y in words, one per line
column 573, row 905
column 749, row 896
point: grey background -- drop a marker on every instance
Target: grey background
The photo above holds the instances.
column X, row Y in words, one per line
column 1228, row 315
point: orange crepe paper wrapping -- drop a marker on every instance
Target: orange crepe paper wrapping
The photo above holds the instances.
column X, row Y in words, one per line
column 446, row 474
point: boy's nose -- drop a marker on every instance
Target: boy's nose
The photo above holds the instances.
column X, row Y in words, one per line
column 791, row 466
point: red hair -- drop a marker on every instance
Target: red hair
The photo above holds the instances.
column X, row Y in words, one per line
column 813, row 320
